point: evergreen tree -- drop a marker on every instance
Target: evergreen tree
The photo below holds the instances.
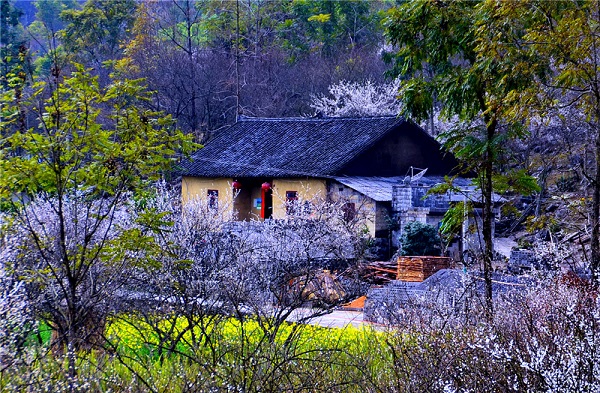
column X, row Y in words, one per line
column 420, row 239
column 13, row 49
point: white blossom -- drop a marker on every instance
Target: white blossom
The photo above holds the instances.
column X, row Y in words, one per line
column 359, row 99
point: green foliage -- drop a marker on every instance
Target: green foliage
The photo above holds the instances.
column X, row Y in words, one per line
column 535, row 224
column 420, row 239
column 12, row 40
column 85, row 138
column 454, row 218
column 439, row 57
column 42, row 335
column 247, row 352
column 442, row 188
column 553, row 45
column 301, row 26
column 435, row 39
column 131, row 334
column 321, row 18
column 510, row 210
column 48, row 15
column 434, row 348
column 516, row 181
column 94, row 33
column 328, row 26
column 68, row 180
column 232, row 355
column 46, row 49
column 441, row 52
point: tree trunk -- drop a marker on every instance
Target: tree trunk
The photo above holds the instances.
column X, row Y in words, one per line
column 72, row 370
column 488, row 217
column 542, row 184
column 595, row 241
column 192, row 65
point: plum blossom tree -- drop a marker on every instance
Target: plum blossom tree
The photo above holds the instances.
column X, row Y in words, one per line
column 68, row 184
column 359, row 99
column 16, row 322
column 211, row 270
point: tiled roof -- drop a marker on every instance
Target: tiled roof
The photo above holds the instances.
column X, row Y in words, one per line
column 380, row 188
column 377, row 188
column 289, row 147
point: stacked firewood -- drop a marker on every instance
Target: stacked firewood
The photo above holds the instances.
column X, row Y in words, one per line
column 417, row 269
column 414, row 269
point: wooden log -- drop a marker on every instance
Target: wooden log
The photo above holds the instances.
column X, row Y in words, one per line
column 419, row 268
column 381, row 269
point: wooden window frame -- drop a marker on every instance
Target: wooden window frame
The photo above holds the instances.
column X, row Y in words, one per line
column 212, row 197
column 349, row 211
column 291, row 202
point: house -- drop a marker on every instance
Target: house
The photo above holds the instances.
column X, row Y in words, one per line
column 412, row 202
column 258, row 167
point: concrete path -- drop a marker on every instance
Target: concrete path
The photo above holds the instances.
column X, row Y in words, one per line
column 340, row 319
column 335, row 319
column 504, row 245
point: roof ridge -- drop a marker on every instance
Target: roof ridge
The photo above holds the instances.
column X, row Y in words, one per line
column 323, row 118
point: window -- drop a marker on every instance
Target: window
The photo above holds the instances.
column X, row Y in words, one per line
column 349, row 210
column 291, row 202
column 213, row 199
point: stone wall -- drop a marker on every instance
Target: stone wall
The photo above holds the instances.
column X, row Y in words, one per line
column 401, row 198
column 383, row 304
column 404, row 211
column 522, row 260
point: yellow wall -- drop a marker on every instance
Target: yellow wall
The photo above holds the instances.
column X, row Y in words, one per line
column 365, row 206
column 313, row 190
column 196, row 187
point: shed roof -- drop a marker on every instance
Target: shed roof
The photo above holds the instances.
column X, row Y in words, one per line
column 380, row 189
column 376, row 188
column 290, row 147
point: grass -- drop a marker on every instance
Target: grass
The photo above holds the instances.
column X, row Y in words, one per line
column 169, row 355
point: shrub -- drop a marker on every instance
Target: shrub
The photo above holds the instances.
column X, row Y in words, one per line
column 420, row 239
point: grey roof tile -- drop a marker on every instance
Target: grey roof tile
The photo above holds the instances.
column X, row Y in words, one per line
column 289, row 147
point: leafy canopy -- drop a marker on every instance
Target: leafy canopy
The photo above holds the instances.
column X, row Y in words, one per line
column 98, row 141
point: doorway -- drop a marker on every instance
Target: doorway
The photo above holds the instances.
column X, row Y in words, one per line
column 266, row 210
